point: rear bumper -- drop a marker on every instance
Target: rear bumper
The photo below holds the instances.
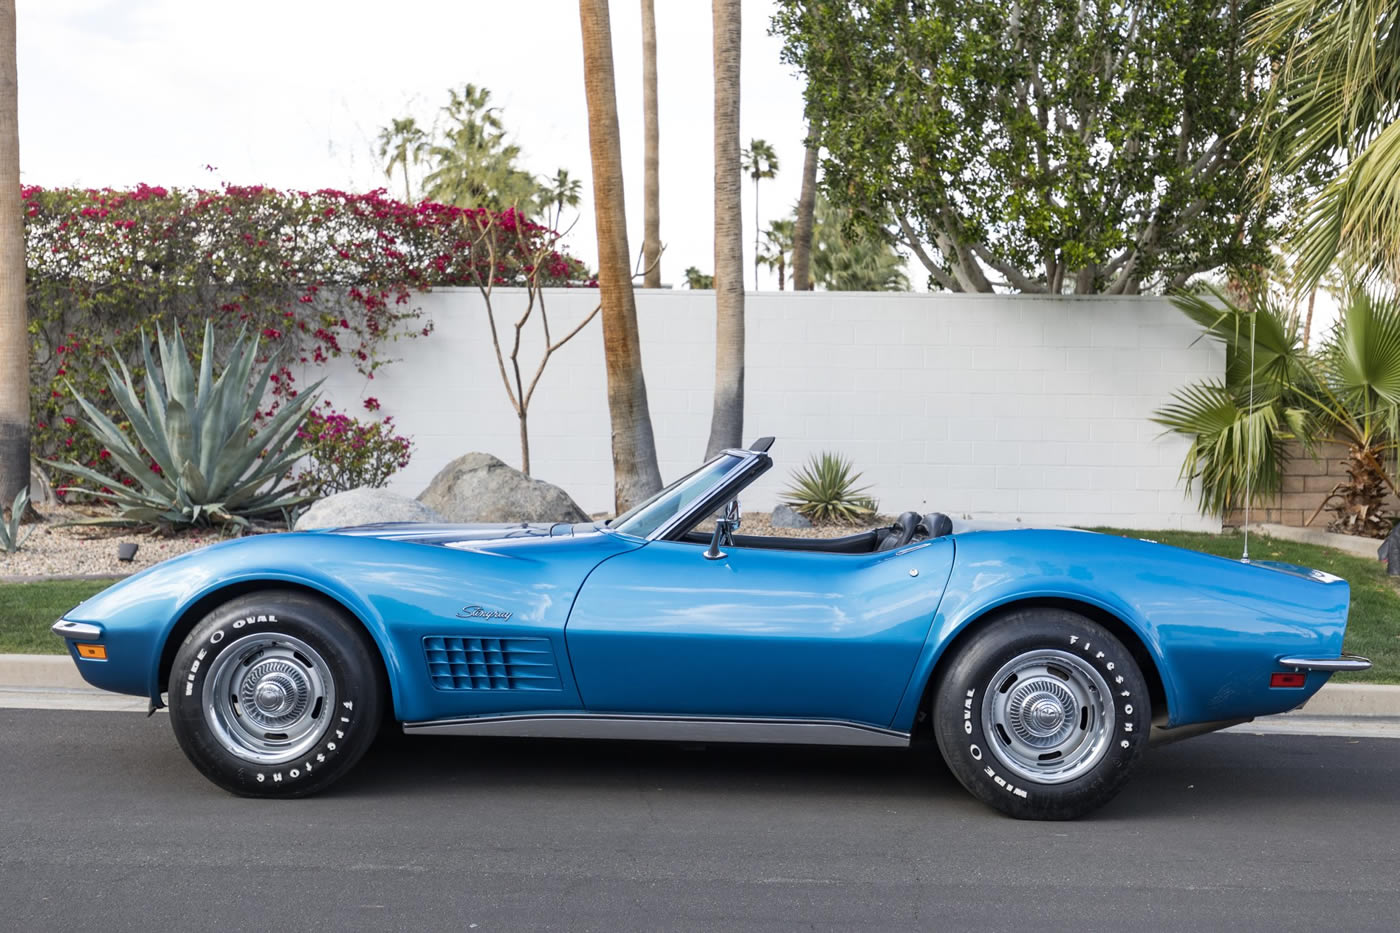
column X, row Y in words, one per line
column 1346, row 662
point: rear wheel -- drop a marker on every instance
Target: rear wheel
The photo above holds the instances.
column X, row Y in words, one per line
column 1042, row 714
column 276, row 694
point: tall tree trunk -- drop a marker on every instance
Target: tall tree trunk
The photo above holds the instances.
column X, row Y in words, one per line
column 1307, row 322
column 14, row 325
column 756, row 249
column 727, row 421
column 407, row 194
column 806, row 210
column 635, row 474
column 651, row 169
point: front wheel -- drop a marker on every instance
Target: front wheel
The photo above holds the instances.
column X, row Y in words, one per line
column 275, row 694
column 1042, row 714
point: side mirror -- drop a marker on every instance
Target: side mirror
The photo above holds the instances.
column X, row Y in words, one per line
column 725, row 526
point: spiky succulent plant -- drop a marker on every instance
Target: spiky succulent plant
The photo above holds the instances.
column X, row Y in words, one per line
column 825, row 491
column 196, row 449
column 10, row 538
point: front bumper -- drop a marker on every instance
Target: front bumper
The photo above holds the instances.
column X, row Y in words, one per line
column 77, row 631
column 1346, row 662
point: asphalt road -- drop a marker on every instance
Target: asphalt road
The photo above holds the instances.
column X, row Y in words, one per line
column 103, row 825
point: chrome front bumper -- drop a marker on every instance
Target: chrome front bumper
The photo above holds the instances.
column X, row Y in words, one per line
column 1347, row 662
column 78, row 631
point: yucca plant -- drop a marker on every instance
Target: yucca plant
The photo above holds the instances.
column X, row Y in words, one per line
column 825, row 491
column 10, row 538
column 195, row 449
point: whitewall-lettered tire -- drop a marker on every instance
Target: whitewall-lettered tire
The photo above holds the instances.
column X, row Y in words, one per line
column 276, row 694
column 1042, row 714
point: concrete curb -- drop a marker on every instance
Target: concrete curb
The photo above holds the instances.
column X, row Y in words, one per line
column 1334, row 701
column 1351, row 544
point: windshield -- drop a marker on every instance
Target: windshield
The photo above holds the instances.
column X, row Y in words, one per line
column 643, row 519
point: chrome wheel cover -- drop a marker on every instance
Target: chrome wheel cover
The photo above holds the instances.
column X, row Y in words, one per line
column 1048, row 716
column 268, row 698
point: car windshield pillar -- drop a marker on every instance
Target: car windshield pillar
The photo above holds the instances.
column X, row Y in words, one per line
column 665, row 511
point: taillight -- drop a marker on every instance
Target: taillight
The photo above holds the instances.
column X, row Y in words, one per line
column 1288, row 679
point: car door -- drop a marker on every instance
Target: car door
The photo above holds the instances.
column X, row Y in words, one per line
column 759, row 632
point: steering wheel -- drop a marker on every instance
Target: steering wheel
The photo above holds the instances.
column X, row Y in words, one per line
column 905, row 527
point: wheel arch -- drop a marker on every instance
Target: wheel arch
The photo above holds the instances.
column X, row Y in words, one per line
column 1116, row 626
column 207, row 602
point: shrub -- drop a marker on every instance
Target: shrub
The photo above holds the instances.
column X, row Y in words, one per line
column 315, row 274
column 346, row 453
column 196, row 454
column 824, row 490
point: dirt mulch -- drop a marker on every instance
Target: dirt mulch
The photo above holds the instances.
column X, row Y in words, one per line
column 58, row 550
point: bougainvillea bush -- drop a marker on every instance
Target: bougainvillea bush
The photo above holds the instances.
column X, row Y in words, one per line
column 345, row 453
column 317, row 274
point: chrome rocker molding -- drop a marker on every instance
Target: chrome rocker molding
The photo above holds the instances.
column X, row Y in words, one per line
column 567, row 725
column 78, row 631
column 1347, row 662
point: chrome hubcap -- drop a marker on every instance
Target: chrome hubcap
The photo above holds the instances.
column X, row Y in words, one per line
column 1048, row 716
column 268, row 698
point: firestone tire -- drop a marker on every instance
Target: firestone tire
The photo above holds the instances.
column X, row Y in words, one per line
column 1042, row 715
column 276, row 694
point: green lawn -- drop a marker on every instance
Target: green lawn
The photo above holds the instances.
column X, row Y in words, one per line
column 1373, row 629
column 28, row 609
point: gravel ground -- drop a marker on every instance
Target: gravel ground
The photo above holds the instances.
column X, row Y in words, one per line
column 760, row 523
column 56, row 550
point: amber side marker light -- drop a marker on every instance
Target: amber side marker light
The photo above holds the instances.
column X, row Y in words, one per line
column 97, row 652
column 1289, row 679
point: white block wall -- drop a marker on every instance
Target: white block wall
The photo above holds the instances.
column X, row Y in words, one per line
column 1016, row 408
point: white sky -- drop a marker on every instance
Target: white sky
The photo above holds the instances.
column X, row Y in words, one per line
column 292, row 94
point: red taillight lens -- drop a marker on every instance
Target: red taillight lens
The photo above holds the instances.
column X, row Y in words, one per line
column 1288, row 679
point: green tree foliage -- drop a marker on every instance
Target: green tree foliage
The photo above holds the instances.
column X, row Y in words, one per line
column 1072, row 145
column 1340, row 87
column 759, row 162
column 851, row 258
column 1348, row 391
column 694, row 278
column 777, row 248
column 400, row 143
column 470, row 162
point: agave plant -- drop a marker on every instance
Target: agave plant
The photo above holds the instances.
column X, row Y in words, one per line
column 1348, row 391
column 10, row 538
column 824, row 490
column 198, row 454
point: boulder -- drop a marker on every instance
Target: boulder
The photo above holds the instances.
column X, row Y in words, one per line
column 785, row 516
column 477, row 487
column 364, row 506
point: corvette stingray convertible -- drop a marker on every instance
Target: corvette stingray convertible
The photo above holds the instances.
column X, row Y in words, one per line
column 1043, row 662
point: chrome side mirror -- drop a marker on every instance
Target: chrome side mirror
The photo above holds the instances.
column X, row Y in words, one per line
column 725, row 526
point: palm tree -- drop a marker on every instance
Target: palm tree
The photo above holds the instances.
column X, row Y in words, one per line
column 402, row 142
column 14, row 325
column 806, row 209
column 1274, row 391
column 761, row 162
column 651, row 166
column 778, row 239
column 849, row 258
column 635, row 473
column 472, row 164
column 557, row 193
column 727, row 420
column 1339, row 88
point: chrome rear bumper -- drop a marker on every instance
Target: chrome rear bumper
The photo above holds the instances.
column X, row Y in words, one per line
column 1347, row 662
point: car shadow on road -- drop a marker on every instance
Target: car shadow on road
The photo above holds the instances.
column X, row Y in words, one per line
column 1208, row 775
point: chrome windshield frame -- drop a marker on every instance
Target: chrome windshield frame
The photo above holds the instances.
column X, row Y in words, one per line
column 751, row 465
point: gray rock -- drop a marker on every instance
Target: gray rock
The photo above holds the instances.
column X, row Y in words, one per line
column 785, row 516
column 364, row 506
column 477, row 487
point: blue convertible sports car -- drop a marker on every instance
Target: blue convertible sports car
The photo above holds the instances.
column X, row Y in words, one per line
column 1043, row 662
